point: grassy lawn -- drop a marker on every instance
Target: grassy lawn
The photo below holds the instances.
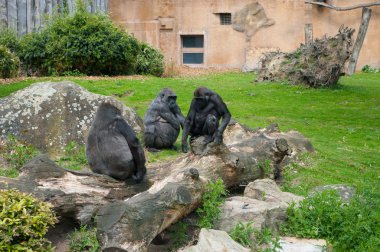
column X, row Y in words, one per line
column 342, row 123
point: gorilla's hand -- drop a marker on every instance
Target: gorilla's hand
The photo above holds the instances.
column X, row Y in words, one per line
column 218, row 137
column 139, row 175
column 185, row 149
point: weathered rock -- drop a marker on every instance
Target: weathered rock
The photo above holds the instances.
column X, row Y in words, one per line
column 216, row 241
column 292, row 244
column 345, row 192
column 268, row 191
column 49, row 115
column 245, row 210
column 250, row 19
column 317, row 64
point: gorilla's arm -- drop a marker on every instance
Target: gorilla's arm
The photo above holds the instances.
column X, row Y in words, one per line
column 135, row 147
column 167, row 115
column 178, row 114
column 188, row 123
column 223, row 111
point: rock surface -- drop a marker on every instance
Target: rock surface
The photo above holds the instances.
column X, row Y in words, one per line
column 245, row 210
column 345, row 192
column 216, row 241
column 292, row 244
column 49, row 115
column 268, row 191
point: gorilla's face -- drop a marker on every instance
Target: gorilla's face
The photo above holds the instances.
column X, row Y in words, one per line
column 172, row 101
column 169, row 97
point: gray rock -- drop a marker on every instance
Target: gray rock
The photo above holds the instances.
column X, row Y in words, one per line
column 268, row 191
column 216, row 241
column 346, row 192
column 292, row 244
column 49, row 115
column 242, row 209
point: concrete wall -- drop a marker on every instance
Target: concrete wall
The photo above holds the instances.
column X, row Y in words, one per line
column 162, row 22
column 26, row 16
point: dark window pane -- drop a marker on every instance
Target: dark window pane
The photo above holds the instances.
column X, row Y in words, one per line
column 192, row 41
column 225, row 18
column 193, row 58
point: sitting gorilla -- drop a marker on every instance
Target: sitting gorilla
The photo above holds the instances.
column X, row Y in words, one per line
column 112, row 146
column 162, row 121
column 206, row 109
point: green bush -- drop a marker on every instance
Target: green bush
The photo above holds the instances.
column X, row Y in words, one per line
column 352, row 226
column 150, row 61
column 24, row 220
column 369, row 69
column 84, row 239
column 88, row 44
column 9, row 63
column 8, row 38
column 212, row 199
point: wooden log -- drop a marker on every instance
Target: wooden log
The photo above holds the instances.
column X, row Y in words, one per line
column 129, row 216
column 366, row 17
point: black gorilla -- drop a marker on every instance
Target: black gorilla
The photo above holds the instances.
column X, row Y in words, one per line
column 112, row 146
column 162, row 121
column 206, row 109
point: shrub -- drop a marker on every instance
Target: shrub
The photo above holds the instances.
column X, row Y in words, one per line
column 150, row 61
column 24, row 220
column 84, row 239
column 88, row 44
column 8, row 38
column 352, row 226
column 9, row 63
column 211, row 199
column 369, row 69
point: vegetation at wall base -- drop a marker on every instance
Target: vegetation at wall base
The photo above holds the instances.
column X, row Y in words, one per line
column 24, row 220
column 211, row 200
column 9, row 63
column 83, row 43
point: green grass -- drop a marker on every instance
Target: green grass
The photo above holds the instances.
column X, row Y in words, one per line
column 342, row 123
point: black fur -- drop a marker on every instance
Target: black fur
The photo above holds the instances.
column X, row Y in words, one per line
column 162, row 121
column 112, row 146
column 206, row 110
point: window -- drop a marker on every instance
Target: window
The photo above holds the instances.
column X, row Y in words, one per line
column 225, row 18
column 192, row 49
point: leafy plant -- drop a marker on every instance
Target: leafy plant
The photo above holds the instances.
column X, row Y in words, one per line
column 149, row 61
column 84, row 239
column 369, row 69
column 9, row 63
column 243, row 234
column 24, row 220
column 247, row 236
column 75, row 156
column 16, row 152
column 178, row 235
column 352, row 226
column 212, row 199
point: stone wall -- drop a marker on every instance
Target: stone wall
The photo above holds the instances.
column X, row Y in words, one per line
column 26, row 16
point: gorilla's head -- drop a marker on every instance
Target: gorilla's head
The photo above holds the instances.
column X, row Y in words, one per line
column 202, row 97
column 106, row 113
column 169, row 97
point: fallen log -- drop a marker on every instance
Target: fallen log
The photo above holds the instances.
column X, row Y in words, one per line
column 130, row 216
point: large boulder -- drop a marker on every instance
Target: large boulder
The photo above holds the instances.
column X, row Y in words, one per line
column 49, row 115
column 217, row 241
column 268, row 191
column 264, row 205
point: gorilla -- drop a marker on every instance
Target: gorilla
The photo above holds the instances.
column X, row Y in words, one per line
column 206, row 109
column 162, row 121
column 112, row 146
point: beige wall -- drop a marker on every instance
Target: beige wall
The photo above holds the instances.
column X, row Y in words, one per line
column 161, row 22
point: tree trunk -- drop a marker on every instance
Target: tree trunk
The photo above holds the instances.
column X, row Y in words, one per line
column 129, row 216
column 366, row 17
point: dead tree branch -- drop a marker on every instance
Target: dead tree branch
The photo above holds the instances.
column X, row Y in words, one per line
column 343, row 8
